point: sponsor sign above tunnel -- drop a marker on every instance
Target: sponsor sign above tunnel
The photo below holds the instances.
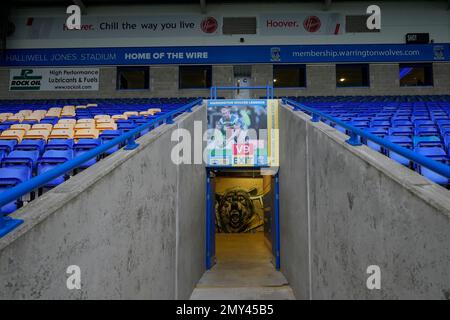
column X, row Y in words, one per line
column 226, row 54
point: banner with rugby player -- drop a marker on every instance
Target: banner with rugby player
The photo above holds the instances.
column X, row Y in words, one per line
column 242, row 133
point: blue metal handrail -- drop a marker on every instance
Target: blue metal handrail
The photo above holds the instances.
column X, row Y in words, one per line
column 269, row 90
column 36, row 182
column 356, row 133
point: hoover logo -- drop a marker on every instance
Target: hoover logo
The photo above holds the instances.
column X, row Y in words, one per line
column 312, row 24
column 26, row 81
column 209, row 25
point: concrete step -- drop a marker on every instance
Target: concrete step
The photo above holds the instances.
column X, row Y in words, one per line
column 244, row 271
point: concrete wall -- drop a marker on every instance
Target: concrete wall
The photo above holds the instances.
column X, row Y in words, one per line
column 122, row 221
column 321, row 81
column 345, row 208
column 384, row 80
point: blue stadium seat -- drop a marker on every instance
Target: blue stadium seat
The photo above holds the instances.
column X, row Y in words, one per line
column 49, row 160
column 83, row 146
column 26, row 145
column 6, row 146
column 402, row 141
column 4, row 127
column 379, row 132
column 426, row 131
column 108, row 135
column 405, row 132
column 437, row 154
column 10, row 177
column 402, row 123
column 427, row 141
column 59, row 144
column 380, row 123
column 19, row 158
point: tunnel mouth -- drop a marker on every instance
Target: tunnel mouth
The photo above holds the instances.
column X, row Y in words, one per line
column 243, row 211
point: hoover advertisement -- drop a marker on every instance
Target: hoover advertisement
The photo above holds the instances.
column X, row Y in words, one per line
column 243, row 133
column 54, row 79
column 117, row 27
column 302, row 24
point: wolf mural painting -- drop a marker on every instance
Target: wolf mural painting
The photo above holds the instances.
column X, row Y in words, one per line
column 239, row 210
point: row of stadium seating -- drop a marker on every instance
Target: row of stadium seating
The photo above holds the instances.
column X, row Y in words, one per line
column 37, row 136
column 421, row 124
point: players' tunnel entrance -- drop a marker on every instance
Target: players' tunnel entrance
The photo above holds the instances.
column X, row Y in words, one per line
column 242, row 217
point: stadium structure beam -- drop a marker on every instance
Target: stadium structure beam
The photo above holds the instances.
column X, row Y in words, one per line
column 203, row 6
column 327, row 4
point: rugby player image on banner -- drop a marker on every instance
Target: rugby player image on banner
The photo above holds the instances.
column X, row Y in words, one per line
column 238, row 132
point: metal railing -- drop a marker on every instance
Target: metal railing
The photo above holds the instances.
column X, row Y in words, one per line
column 16, row 192
column 269, row 90
column 356, row 134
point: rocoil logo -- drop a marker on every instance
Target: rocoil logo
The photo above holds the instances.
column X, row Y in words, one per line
column 209, row 25
column 26, row 81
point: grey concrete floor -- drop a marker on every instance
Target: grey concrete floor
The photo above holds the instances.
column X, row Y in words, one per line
column 243, row 271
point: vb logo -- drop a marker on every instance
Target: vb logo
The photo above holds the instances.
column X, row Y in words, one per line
column 74, row 280
column 374, row 280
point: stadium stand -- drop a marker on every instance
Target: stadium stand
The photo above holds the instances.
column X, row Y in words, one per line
column 419, row 123
column 36, row 136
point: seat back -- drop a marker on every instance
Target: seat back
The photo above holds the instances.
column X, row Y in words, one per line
column 12, row 135
column 61, row 134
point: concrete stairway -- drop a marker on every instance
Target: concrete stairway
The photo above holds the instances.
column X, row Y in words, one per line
column 243, row 271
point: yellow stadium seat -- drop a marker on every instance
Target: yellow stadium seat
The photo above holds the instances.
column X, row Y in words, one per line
column 54, row 112
column 144, row 113
column 106, row 126
column 86, row 121
column 71, row 121
column 61, row 134
column 131, row 113
column 68, row 114
column 52, row 115
column 119, row 116
column 69, row 107
column 86, row 134
column 37, row 134
column 25, row 112
column 81, row 107
column 34, row 117
column 64, row 126
column 90, row 105
column 152, row 111
column 85, row 125
column 18, row 118
column 6, row 114
column 42, row 126
column 12, row 135
column 40, row 112
column 23, row 127
column 68, row 111
column 102, row 116
column 104, row 120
